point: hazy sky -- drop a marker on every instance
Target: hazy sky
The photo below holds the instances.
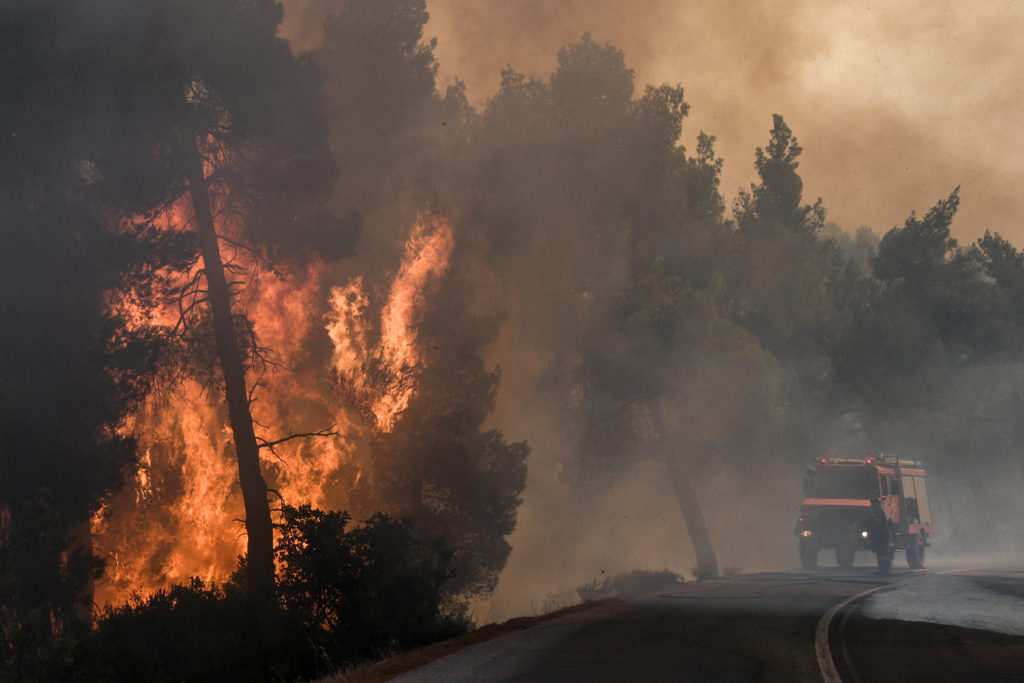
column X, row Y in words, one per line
column 895, row 104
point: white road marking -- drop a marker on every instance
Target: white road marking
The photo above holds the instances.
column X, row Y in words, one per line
column 821, row 648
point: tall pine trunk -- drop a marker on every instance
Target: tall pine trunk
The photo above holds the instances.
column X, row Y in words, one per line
column 686, row 496
column 258, row 525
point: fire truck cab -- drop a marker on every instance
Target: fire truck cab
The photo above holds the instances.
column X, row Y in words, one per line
column 879, row 503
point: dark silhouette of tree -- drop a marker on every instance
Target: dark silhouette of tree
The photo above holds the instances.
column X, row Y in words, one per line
column 394, row 135
column 1004, row 263
column 360, row 590
column 71, row 365
column 916, row 255
column 782, row 266
column 775, row 202
column 932, row 304
column 452, row 478
column 708, row 388
column 787, row 283
column 616, row 229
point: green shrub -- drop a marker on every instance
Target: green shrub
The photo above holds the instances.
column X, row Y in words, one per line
column 187, row 633
column 365, row 591
column 345, row 596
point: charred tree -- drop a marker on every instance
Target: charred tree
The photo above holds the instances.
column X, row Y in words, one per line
column 258, row 525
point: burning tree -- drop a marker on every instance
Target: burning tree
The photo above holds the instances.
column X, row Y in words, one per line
column 396, row 389
column 233, row 144
column 424, row 394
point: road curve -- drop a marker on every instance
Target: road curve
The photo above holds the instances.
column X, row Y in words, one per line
column 942, row 625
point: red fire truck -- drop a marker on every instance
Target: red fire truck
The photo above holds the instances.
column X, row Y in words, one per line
column 879, row 503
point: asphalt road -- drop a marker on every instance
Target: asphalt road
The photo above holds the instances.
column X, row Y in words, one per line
column 953, row 622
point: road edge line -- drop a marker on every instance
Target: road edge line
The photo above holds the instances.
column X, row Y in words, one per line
column 821, row 649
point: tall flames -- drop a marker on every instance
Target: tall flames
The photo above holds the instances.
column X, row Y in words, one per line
column 382, row 378
column 313, row 402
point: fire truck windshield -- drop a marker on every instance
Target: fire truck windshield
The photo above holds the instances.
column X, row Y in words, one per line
column 843, row 483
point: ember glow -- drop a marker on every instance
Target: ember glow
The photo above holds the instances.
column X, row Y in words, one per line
column 182, row 515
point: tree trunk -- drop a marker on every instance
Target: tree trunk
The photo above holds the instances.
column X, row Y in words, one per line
column 689, row 505
column 80, row 541
column 258, row 525
column 707, row 563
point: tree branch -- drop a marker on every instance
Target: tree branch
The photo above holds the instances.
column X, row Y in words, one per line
column 329, row 431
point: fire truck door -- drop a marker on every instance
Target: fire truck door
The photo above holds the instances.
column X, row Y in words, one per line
column 890, row 498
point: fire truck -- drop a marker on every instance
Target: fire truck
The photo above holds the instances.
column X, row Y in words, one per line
column 879, row 503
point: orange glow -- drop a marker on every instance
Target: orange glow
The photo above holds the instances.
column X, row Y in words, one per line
column 176, row 522
column 133, row 312
column 180, row 513
column 396, row 359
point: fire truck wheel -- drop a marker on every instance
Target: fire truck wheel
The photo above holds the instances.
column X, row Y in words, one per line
column 915, row 554
column 844, row 557
column 808, row 555
column 885, row 556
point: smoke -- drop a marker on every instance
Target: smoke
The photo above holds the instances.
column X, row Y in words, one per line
column 967, row 431
column 893, row 106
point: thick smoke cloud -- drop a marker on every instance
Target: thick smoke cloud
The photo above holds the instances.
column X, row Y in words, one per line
column 895, row 105
column 893, row 108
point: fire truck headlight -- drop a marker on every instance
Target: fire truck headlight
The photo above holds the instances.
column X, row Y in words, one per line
column 864, row 534
column 806, row 534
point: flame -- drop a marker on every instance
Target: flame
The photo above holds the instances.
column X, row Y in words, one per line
column 383, row 378
column 176, row 521
column 180, row 516
column 129, row 305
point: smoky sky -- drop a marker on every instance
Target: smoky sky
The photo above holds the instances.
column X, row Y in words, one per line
column 894, row 104
column 894, row 107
